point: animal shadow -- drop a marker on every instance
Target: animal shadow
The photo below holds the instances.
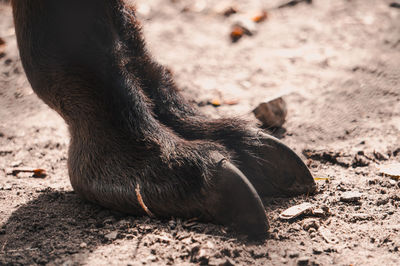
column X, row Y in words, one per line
column 59, row 226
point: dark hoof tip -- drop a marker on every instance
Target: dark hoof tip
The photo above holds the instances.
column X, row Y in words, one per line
column 283, row 170
column 235, row 203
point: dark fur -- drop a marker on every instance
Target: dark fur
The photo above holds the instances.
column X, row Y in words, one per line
column 129, row 125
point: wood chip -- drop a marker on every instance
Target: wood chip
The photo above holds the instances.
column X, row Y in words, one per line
column 392, row 170
column 296, row 211
column 350, row 196
column 327, row 235
column 231, row 102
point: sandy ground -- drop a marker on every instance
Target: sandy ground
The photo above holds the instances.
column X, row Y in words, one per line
column 338, row 64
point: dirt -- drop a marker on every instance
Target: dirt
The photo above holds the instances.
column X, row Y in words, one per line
column 337, row 63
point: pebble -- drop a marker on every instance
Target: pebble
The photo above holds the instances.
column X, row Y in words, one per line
column 380, row 202
column 172, row 224
column 6, row 187
column 361, row 217
column 317, row 251
column 83, row 245
column 294, row 255
column 227, row 262
column 111, row 236
column 303, row 261
column 310, row 223
column 350, row 196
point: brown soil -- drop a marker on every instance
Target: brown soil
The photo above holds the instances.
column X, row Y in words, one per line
column 338, row 62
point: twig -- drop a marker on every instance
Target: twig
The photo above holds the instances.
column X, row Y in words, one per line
column 395, row 5
column 141, row 202
column 293, row 3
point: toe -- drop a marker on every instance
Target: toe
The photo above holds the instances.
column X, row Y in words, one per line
column 277, row 169
column 235, row 202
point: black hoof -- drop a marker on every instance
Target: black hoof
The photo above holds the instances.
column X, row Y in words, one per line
column 276, row 170
column 234, row 202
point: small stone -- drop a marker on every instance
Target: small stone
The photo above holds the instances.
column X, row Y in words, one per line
column 351, row 196
column 228, row 262
column 360, row 161
column 310, row 223
column 172, row 224
column 380, row 156
column 152, row 258
column 303, row 261
column 111, row 236
column 109, row 221
column 317, row 251
column 361, row 217
column 83, row 245
column 6, row 187
column 294, row 255
column 313, row 234
column 380, row 202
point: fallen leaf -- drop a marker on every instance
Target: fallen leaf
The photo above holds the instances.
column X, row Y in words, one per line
column 39, row 173
column 272, row 113
column 237, row 33
column 260, row 17
column 215, row 103
column 229, row 11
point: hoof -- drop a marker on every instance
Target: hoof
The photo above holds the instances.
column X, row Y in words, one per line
column 277, row 170
column 234, row 202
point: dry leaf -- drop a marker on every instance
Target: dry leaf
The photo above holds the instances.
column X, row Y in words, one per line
column 260, row 17
column 215, row 103
column 272, row 113
column 39, row 173
column 237, row 33
column 229, row 11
